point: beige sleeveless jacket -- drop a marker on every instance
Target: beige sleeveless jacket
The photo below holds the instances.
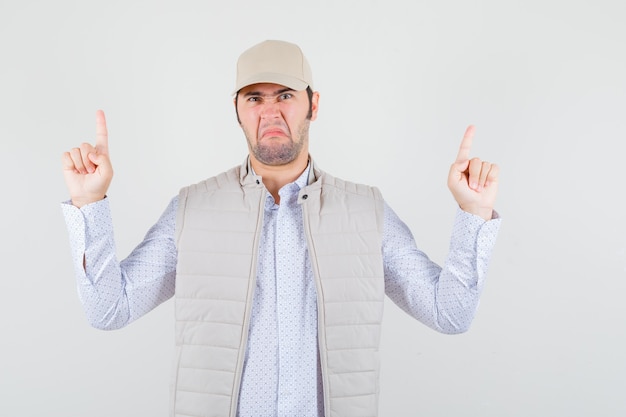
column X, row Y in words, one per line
column 218, row 228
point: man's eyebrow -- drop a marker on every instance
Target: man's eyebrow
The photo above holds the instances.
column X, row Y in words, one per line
column 283, row 90
column 277, row 92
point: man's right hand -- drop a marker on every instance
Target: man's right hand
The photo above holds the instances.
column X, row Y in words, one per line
column 87, row 169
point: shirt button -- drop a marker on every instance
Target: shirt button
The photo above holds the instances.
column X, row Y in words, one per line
column 305, row 196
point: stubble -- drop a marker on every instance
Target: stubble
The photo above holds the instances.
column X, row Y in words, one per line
column 273, row 152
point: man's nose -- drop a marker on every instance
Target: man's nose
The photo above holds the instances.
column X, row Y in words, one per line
column 270, row 109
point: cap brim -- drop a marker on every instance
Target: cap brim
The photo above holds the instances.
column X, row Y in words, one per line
column 273, row 78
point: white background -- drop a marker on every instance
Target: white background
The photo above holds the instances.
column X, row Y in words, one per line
column 543, row 81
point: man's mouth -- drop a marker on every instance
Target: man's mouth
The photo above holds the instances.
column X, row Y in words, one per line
column 273, row 132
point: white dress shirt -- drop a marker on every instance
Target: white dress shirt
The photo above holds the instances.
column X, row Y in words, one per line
column 281, row 375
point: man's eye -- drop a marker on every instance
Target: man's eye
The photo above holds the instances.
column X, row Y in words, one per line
column 285, row 96
column 253, row 99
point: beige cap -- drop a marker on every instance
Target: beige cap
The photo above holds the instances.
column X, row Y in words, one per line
column 276, row 62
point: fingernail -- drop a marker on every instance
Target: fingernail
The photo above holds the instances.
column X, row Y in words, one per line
column 474, row 186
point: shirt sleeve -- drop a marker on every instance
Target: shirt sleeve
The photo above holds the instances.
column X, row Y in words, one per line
column 114, row 294
column 443, row 298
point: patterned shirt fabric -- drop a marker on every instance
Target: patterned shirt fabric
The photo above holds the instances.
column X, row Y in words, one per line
column 281, row 375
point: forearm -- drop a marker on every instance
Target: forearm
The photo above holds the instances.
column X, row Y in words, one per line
column 113, row 294
column 100, row 282
column 444, row 299
column 463, row 276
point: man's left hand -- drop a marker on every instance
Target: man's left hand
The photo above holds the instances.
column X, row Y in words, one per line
column 473, row 182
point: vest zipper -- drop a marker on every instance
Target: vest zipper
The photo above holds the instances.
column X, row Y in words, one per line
column 247, row 314
column 321, row 318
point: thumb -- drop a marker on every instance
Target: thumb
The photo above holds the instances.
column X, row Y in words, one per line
column 100, row 160
column 461, row 166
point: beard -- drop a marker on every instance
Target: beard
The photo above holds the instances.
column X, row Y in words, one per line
column 277, row 154
column 274, row 153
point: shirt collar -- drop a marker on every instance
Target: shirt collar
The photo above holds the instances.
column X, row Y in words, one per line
column 302, row 181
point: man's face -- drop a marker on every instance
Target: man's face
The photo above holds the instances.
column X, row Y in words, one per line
column 274, row 119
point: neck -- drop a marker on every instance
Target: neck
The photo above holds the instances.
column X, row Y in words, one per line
column 276, row 177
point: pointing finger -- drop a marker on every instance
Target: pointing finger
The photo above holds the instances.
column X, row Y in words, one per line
column 466, row 145
column 102, row 135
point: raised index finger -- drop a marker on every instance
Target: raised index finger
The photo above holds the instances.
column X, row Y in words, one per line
column 102, row 135
column 466, row 144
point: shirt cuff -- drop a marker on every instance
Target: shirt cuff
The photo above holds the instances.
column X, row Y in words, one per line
column 475, row 238
column 85, row 225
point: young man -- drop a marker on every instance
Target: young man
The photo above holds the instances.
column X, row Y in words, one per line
column 279, row 269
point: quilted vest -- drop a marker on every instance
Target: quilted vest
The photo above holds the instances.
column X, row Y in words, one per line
column 218, row 227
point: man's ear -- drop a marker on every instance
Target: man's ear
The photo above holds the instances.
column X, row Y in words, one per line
column 236, row 111
column 315, row 98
